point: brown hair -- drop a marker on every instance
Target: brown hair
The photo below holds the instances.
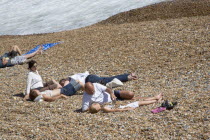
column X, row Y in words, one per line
column 61, row 82
column 31, row 64
column 33, row 94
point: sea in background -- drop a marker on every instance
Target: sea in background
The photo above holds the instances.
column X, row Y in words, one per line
column 22, row 17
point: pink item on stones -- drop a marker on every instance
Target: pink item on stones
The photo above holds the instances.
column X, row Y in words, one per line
column 158, row 109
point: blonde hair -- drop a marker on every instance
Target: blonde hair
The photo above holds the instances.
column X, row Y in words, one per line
column 93, row 109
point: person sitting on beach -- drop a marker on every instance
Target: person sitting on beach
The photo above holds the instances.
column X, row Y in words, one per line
column 34, row 80
column 95, row 92
column 96, row 107
column 10, row 59
column 86, row 77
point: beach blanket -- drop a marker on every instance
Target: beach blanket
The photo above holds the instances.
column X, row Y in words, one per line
column 45, row 47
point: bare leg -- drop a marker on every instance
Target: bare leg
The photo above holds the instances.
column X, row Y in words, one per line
column 17, row 49
column 34, row 53
column 158, row 97
column 139, row 97
column 127, row 95
column 51, row 85
column 57, row 84
column 147, row 102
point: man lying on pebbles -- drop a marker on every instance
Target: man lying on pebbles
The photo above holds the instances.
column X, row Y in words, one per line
column 96, row 95
column 76, row 83
column 86, row 77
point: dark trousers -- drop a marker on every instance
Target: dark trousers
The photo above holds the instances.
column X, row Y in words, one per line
column 104, row 80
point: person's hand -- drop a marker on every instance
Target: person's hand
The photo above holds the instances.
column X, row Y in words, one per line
column 64, row 96
column 40, row 49
column 113, row 97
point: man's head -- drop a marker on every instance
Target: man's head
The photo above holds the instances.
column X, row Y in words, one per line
column 33, row 94
column 95, row 108
column 89, row 88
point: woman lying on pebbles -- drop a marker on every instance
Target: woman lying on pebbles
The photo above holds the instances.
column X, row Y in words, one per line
column 47, row 95
column 51, row 95
column 96, row 107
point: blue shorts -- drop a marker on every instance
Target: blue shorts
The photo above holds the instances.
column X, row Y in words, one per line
column 68, row 90
column 117, row 94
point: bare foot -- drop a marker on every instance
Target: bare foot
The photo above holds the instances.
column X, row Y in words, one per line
column 39, row 51
column 159, row 97
column 132, row 76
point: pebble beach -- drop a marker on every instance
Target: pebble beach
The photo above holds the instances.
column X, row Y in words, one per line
column 167, row 45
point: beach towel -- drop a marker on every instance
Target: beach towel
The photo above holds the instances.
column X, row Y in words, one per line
column 45, row 47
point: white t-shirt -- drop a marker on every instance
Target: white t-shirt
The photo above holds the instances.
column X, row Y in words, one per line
column 80, row 76
column 40, row 97
column 34, row 80
column 100, row 96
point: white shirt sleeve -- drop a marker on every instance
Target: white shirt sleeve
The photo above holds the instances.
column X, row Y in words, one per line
column 39, row 98
column 28, row 84
column 86, row 101
column 99, row 87
column 80, row 76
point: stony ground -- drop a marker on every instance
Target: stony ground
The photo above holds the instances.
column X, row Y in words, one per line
column 170, row 54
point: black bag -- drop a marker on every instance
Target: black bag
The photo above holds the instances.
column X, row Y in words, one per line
column 168, row 105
